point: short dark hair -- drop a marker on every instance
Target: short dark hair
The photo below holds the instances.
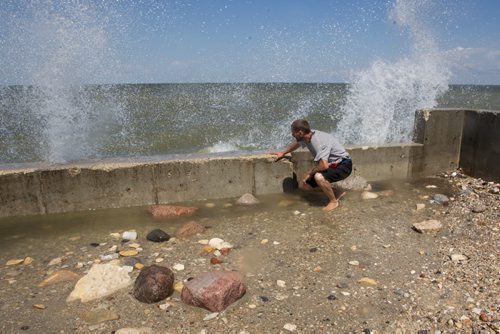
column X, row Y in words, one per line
column 301, row 124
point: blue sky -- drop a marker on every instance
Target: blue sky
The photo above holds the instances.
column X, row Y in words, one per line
column 239, row 40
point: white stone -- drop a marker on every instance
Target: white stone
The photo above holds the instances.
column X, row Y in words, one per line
column 354, row 263
column 178, row 267
column 290, row 327
column 211, row 316
column 129, row 235
column 281, row 283
column 128, row 269
column 368, row 195
column 102, row 280
column 55, row 261
column 203, row 242
column 458, row 257
column 420, row 206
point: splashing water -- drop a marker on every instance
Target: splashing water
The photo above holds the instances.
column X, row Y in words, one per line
column 63, row 46
column 382, row 99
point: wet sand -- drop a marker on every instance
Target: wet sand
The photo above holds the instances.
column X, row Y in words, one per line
column 320, row 256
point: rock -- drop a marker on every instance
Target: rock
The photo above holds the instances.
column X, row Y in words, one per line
column 39, row 306
column 368, row 195
column 354, row 263
column 211, row 316
column 189, row 229
column 218, row 243
column 102, row 280
column 98, row 316
column 169, row 211
column 154, row 284
column 479, row 208
column 129, row 252
column 142, row 330
column 215, row 260
column 367, row 281
column 458, row 257
column 440, row 199
column 158, row 235
column 178, row 267
column 353, row 183
column 28, row 260
column 247, row 199
column 129, row 235
column 55, row 261
column 290, row 327
column 59, row 276
column 420, row 206
column 214, row 290
column 281, row 283
column 428, row 226
column 14, row 262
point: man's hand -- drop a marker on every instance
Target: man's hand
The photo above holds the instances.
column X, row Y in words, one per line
column 307, row 176
column 280, row 155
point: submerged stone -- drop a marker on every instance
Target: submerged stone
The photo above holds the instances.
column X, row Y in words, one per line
column 169, row 211
column 247, row 199
column 59, row 276
column 428, row 226
column 188, row 229
column 158, row 235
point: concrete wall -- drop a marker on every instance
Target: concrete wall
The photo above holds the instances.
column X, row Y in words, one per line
column 65, row 188
column 439, row 135
column 480, row 147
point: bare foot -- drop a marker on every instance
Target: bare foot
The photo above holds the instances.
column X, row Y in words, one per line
column 331, row 206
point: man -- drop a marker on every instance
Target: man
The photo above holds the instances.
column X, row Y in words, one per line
column 333, row 163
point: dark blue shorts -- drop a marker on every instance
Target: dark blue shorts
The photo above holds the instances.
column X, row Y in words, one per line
column 334, row 174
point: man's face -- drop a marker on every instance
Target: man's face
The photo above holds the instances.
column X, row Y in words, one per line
column 298, row 135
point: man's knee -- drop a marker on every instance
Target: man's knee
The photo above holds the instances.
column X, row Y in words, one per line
column 318, row 177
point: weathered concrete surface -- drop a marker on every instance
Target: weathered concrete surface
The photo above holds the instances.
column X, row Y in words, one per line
column 392, row 161
column 143, row 181
column 480, row 149
column 440, row 131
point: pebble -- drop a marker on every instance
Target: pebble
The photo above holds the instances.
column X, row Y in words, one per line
column 281, row 283
column 211, row 316
column 178, row 267
column 479, row 208
column 368, row 195
column 14, row 262
column 129, row 252
column 420, row 206
column 165, row 306
column 55, row 261
column 203, row 242
column 159, row 259
column 296, row 212
column 290, row 327
column 210, row 205
column 354, row 263
column 367, row 281
column 264, row 241
column 39, row 306
column 458, row 257
column 428, row 226
column 129, row 235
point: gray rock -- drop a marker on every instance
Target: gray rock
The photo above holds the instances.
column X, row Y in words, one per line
column 247, row 199
column 353, row 183
column 479, row 208
column 440, row 199
column 154, row 284
column 428, row 226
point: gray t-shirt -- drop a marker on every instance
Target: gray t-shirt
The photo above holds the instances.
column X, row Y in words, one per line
column 324, row 146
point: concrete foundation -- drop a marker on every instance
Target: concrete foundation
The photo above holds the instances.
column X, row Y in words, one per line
column 443, row 139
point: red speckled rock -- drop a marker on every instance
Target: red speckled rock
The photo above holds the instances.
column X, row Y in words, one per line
column 214, row 290
column 168, row 211
column 189, row 229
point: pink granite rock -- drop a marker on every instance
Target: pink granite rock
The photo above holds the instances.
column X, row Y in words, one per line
column 169, row 211
column 189, row 229
column 214, row 290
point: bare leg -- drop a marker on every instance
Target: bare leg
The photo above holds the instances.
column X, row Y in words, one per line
column 327, row 189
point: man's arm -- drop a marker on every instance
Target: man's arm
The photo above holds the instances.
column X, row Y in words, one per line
column 292, row 147
column 321, row 165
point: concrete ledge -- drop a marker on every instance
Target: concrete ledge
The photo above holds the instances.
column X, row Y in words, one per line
column 76, row 187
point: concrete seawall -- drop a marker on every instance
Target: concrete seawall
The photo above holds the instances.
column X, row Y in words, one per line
column 443, row 138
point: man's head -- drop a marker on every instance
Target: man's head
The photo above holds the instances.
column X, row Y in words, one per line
column 301, row 129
